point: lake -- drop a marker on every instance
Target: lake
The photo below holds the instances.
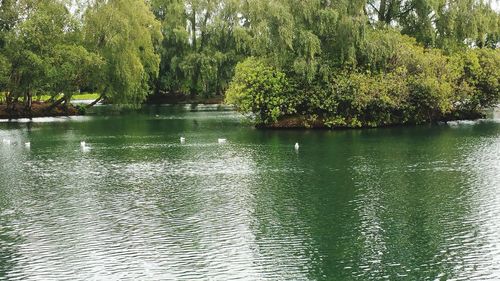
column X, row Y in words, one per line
column 402, row 203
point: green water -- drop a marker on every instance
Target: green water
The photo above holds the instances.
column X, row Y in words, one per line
column 415, row 203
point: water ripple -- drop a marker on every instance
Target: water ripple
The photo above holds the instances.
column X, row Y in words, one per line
column 396, row 204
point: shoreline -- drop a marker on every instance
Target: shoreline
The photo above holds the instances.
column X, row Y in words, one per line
column 303, row 123
column 38, row 109
column 299, row 122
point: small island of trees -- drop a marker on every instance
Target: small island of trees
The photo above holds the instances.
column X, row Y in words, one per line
column 310, row 63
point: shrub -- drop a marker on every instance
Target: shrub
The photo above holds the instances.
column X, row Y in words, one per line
column 261, row 89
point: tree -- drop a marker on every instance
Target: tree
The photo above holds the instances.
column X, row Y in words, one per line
column 29, row 47
column 448, row 24
column 174, row 47
column 8, row 18
column 203, row 41
column 126, row 35
column 73, row 68
column 342, row 70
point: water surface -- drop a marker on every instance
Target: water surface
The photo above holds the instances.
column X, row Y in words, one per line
column 414, row 203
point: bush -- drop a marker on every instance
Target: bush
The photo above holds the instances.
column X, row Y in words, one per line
column 261, row 89
column 82, row 109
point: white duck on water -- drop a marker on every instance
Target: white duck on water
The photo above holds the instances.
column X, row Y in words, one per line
column 297, row 146
column 84, row 146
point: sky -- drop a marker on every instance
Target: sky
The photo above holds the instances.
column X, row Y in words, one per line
column 496, row 5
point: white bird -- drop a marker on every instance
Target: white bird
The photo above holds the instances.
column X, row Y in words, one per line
column 85, row 147
column 297, row 146
column 221, row 140
column 6, row 141
column 183, row 139
column 27, row 144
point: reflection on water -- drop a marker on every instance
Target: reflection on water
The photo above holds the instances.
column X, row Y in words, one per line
column 418, row 203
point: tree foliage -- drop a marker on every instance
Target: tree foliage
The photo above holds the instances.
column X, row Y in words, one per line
column 396, row 81
column 347, row 62
column 262, row 89
column 125, row 34
column 50, row 47
column 29, row 46
column 448, row 24
column 203, row 41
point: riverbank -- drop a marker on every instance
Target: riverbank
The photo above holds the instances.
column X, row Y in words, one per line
column 304, row 122
column 39, row 109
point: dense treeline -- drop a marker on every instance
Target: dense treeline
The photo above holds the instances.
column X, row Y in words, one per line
column 335, row 62
column 407, row 84
column 359, row 63
column 59, row 48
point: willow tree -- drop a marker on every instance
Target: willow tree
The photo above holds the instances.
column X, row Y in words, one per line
column 8, row 18
column 449, row 24
column 126, row 35
column 203, row 41
column 466, row 23
column 306, row 38
column 175, row 45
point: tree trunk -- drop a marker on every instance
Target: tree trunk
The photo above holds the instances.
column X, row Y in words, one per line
column 67, row 101
column 28, row 100
column 12, row 107
column 195, row 78
column 389, row 13
column 8, row 99
column 193, row 26
column 9, row 103
column 381, row 10
column 203, row 30
column 56, row 103
column 96, row 101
